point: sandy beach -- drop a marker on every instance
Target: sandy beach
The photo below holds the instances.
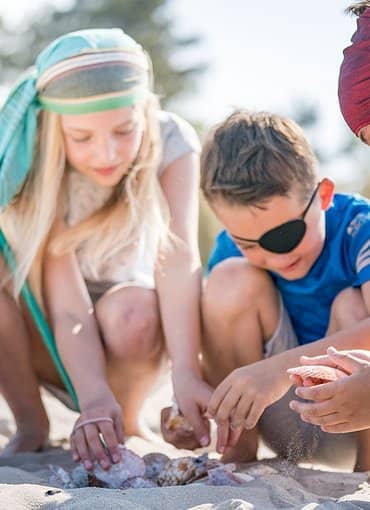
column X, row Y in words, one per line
column 24, row 478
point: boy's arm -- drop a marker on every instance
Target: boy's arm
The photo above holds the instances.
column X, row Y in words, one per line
column 244, row 394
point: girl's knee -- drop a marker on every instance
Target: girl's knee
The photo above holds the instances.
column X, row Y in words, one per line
column 130, row 328
column 232, row 285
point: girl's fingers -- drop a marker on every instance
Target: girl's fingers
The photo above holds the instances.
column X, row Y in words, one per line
column 110, row 439
column 95, row 445
column 74, row 451
column 82, row 448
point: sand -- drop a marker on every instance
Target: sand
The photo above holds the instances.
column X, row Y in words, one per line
column 24, row 478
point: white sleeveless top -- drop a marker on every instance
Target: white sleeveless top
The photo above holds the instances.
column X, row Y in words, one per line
column 84, row 197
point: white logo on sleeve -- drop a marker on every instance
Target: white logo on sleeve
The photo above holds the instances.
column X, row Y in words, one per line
column 363, row 257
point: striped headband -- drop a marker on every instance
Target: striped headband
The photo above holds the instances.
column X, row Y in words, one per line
column 94, row 81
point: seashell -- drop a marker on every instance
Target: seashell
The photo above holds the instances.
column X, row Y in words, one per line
column 130, row 466
column 183, row 470
column 60, row 477
column 80, row 477
column 154, row 464
column 318, row 374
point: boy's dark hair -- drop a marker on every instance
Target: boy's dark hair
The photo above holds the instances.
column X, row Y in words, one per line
column 358, row 8
column 251, row 157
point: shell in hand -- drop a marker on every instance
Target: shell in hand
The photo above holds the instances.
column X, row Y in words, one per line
column 317, row 374
column 176, row 420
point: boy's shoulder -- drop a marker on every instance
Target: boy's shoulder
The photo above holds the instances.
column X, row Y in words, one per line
column 348, row 213
column 347, row 230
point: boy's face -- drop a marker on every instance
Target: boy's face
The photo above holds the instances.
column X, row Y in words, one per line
column 250, row 222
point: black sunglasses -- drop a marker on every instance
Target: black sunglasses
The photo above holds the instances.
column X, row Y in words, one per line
column 285, row 237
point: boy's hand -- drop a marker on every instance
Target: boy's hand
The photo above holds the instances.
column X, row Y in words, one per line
column 240, row 399
column 340, row 406
column 192, row 396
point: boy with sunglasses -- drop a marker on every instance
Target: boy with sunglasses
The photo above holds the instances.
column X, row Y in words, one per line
column 291, row 278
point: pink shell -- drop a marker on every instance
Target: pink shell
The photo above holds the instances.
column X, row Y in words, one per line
column 318, row 374
column 130, row 466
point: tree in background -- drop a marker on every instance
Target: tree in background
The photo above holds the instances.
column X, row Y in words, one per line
column 146, row 20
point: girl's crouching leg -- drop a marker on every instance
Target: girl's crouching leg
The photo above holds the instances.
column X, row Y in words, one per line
column 131, row 329
column 18, row 381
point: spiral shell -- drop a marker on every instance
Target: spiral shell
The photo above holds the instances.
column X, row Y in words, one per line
column 183, row 470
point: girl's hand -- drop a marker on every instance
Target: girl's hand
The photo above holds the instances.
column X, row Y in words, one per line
column 192, row 396
column 339, row 406
column 93, row 438
column 240, row 399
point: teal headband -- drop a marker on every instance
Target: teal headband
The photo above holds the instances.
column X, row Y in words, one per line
column 81, row 72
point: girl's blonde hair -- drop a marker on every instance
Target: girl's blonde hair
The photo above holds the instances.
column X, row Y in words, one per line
column 138, row 198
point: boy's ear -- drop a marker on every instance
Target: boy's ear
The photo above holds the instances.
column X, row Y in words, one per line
column 326, row 193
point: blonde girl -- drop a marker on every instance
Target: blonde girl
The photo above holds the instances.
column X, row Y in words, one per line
column 101, row 271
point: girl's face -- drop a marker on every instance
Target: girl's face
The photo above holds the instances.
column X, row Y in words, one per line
column 103, row 145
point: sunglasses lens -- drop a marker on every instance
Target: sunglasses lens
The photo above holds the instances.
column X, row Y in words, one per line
column 284, row 238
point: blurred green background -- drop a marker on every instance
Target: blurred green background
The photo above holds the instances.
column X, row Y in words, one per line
column 177, row 79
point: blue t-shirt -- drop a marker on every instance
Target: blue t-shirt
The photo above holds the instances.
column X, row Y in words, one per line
column 343, row 262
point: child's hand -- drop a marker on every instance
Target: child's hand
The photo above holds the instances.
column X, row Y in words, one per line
column 102, row 416
column 177, row 431
column 335, row 358
column 340, row 406
column 192, row 396
column 240, row 399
